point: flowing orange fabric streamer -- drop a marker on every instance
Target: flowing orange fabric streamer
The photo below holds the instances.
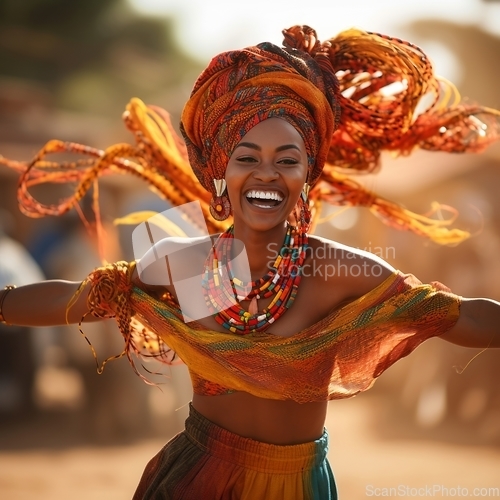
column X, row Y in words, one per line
column 377, row 83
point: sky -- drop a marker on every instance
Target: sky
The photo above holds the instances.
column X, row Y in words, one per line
column 207, row 27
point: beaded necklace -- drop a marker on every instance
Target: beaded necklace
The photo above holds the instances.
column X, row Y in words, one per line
column 223, row 291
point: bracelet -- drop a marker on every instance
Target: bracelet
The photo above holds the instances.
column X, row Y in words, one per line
column 6, row 290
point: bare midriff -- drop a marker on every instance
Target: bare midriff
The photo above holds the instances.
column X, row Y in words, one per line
column 265, row 420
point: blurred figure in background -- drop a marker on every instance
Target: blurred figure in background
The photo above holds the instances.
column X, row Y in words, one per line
column 18, row 359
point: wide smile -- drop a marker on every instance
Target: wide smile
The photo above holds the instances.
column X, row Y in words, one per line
column 264, row 199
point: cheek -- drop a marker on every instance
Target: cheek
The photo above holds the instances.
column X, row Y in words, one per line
column 300, row 177
column 234, row 182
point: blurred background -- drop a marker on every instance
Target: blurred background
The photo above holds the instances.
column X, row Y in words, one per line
column 67, row 71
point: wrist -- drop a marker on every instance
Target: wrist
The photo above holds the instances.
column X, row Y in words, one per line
column 4, row 294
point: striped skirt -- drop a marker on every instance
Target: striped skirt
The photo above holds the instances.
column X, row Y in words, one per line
column 208, row 462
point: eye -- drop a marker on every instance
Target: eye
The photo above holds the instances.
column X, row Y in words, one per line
column 246, row 159
column 288, row 161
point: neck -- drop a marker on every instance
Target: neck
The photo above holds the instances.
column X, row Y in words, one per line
column 262, row 247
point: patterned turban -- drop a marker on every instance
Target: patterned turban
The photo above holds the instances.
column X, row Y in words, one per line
column 240, row 89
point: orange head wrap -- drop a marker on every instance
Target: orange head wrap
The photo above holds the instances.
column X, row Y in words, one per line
column 240, row 89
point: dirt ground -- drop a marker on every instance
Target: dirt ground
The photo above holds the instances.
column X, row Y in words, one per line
column 43, row 459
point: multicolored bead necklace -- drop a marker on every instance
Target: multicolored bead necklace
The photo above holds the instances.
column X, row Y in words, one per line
column 223, row 291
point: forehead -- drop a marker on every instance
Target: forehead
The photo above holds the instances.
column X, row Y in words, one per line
column 274, row 131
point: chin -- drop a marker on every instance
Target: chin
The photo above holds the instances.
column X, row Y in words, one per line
column 262, row 224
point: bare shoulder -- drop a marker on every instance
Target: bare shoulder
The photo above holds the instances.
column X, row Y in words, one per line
column 172, row 259
column 356, row 270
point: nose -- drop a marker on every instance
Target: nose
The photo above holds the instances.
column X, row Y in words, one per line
column 266, row 171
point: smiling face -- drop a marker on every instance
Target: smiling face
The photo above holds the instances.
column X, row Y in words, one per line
column 266, row 173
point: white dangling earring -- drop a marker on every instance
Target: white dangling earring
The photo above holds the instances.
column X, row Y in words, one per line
column 220, row 206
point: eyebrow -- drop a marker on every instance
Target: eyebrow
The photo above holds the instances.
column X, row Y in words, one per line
column 251, row 145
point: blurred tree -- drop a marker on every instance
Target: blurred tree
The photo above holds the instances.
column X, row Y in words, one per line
column 90, row 55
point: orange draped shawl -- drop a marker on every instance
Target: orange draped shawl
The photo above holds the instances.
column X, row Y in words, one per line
column 335, row 358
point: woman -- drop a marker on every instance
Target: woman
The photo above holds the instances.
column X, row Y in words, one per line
column 314, row 320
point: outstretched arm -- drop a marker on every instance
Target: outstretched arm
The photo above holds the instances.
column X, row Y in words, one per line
column 45, row 304
column 478, row 324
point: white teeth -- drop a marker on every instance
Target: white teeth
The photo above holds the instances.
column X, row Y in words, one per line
column 264, row 195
